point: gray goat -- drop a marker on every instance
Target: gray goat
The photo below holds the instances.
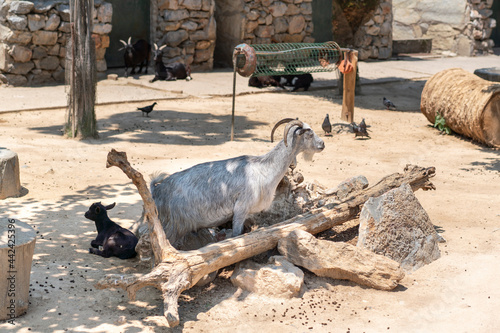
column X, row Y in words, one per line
column 211, row 194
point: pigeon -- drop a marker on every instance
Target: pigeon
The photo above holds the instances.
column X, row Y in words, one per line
column 147, row 109
column 388, row 104
column 327, row 126
column 360, row 130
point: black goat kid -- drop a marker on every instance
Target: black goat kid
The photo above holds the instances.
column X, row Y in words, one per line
column 171, row 72
column 114, row 240
column 136, row 54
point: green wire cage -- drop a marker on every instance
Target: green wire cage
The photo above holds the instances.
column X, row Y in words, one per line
column 286, row 58
column 295, row 59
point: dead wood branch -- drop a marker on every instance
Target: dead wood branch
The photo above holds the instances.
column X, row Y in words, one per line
column 179, row 271
column 161, row 247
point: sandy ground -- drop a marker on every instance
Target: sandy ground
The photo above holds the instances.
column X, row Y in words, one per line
column 457, row 293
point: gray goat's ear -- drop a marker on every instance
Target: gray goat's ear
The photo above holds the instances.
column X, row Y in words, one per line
column 110, row 206
column 303, row 130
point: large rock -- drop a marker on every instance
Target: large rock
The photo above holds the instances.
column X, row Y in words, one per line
column 10, row 185
column 396, row 225
column 339, row 260
column 279, row 278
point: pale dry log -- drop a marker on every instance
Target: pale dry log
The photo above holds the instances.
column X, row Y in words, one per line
column 161, row 246
column 180, row 271
column 469, row 104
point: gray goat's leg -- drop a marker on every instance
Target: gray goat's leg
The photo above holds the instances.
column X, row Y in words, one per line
column 239, row 217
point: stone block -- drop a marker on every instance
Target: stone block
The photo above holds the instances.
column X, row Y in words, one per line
column 18, row 22
column 36, row 22
column 278, row 278
column 278, row 9
column 396, row 226
column 21, row 53
column 296, row 24
column 21, row 7
column 105, row 13
column 191, row 4
column 416, row 45
column 10, row 184
column 43, row 37
column 52, row 22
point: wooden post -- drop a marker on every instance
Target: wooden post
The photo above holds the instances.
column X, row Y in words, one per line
column 17, row 244
column 349, row 90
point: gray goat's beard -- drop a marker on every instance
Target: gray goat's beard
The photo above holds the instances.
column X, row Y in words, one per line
column 308, row 156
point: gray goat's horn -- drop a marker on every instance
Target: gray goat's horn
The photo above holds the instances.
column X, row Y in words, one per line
column 124, row 43
column 163, row 46
column 129, row 39
column 291, row 122
column 156, row 46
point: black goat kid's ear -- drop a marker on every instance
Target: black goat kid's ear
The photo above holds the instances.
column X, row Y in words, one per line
column 97, row 210
column 110, row 206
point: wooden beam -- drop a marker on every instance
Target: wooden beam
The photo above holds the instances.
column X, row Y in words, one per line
column 349, row 89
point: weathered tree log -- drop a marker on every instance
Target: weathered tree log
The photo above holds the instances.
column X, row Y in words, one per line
column 469, row 104
column 17, row 245
column 179, row 271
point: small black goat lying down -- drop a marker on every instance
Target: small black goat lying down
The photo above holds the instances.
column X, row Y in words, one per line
column 114, row 240
column 264, row 81
column 170, row 72
column 296, row 81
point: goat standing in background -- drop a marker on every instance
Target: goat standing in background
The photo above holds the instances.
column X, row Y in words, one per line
column 171, row 72
column 213, row 193
column 136, row 54
column 114, row 240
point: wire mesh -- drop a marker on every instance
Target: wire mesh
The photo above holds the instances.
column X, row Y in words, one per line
column 295, row 58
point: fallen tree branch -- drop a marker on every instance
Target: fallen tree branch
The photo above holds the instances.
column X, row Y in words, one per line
column 179, row 271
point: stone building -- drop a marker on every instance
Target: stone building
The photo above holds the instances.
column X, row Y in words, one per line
column 463, row 27
column 203, row 33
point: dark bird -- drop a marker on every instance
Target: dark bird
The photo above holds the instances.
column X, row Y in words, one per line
column 327, row 126
column 147, row 109
column 388, row 104
column 360, row 130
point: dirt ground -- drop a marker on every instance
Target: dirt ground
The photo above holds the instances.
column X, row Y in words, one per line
column 61, row 178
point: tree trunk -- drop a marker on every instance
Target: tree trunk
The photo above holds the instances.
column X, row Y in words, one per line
column 179, row 271
column 469, row 104
column 81, row 72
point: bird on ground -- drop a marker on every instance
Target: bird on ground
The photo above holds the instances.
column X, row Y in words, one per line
column 147, row 109
column 327, row 126
column 360, row 130
column 388, row 104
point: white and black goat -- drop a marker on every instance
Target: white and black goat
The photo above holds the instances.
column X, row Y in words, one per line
column 171, row 72
column 114, row 240
column 136, row 54
column 213, row 193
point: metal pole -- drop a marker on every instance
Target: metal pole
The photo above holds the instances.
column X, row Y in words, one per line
column 234, row 95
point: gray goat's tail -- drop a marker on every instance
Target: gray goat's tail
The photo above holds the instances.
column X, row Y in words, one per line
column 156, row 178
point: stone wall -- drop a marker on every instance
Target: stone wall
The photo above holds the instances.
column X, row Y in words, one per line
column 261, row 22
column 287, row 21
column 458, row 26
column 482, row 25
column 33, row 37
column 373, row 39
column 188, row 29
